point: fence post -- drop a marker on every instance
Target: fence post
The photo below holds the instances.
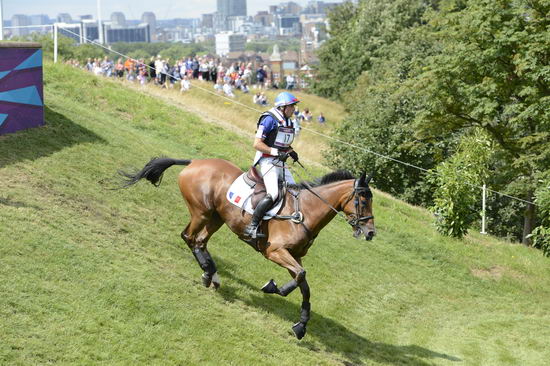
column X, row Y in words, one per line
column 55, row 42
column 484, row 194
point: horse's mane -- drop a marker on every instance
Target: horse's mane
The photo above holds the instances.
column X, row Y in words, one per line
column 335, row 176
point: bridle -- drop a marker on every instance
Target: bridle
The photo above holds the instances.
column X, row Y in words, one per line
column 354, row 220
column 358, row 191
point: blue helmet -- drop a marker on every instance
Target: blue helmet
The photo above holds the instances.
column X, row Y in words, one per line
column 285, row 98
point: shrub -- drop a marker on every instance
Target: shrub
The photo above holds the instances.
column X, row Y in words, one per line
column 540, row 236
column 457, row 181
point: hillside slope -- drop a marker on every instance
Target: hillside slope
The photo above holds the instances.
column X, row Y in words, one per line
column 92, row 275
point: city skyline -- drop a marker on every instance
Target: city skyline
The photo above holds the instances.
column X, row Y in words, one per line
column 132, row 9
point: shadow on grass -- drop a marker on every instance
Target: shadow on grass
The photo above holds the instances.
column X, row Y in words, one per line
column 58, row 133
column 352, row 348
column 17, row 204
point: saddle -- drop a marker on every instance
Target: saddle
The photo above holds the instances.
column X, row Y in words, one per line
column 255, row 180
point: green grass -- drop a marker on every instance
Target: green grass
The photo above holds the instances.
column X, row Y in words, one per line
column 92, row 275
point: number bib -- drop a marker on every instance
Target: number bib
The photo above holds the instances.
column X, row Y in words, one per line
column 284, row 138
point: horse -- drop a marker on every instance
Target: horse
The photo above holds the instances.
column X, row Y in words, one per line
column 204, row 183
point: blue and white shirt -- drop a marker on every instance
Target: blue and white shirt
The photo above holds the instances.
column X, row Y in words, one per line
column 275, row 131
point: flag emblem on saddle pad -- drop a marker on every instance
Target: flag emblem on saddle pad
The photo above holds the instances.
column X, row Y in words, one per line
column 237, row 198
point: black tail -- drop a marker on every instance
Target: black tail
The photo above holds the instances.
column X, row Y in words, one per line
column 152, row 171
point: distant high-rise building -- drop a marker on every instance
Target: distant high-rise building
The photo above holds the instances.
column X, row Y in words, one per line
column 20, row 20
column 86, row 17
column 229, row 42
column 118, row 19
column 319, row 7
column 39, row 19
column 89, row 31
column 235, row 24
column 207, row 21
column 150, row 18
column 263, row 18
column 228, row 8
column 289, row 25
column 64, row 18
column 289, row 8
column 71, row 30
column 139, row 33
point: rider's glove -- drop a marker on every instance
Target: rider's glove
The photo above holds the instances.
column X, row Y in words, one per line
column 282, row 156
column 294, row 155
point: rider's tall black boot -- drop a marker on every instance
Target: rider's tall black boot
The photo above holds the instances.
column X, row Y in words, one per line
column 263, row 206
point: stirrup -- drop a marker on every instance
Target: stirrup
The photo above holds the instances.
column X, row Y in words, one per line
column 253, row 232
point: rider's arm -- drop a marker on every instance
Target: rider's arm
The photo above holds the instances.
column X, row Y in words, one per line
column 262, row 147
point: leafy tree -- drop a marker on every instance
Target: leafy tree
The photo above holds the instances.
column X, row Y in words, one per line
column 382, row 109
column 257, row 46
column 457, row 181
column 84, row 51
column 493, row 73
column 136, row 55
column 357, row 35
column 541, row 234
column 65, row 45
column 174, row 51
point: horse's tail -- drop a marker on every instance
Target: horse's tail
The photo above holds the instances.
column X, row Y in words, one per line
column 152, row 171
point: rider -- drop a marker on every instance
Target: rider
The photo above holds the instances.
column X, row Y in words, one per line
column 272, row 143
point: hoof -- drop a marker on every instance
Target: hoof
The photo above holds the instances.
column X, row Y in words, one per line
column 270, row 287
column 206, row 279
column 216, row 281
column 299, row 330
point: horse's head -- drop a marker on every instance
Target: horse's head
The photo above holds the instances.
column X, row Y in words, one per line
column 358, row 209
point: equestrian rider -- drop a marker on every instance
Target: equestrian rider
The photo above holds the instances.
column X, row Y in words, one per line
column 274, row 135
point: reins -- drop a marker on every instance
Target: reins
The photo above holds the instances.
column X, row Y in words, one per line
column 353, row 222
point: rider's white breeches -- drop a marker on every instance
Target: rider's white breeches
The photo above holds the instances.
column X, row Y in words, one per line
column 272, row 173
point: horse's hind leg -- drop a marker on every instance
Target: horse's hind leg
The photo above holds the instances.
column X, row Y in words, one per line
column 196, row 235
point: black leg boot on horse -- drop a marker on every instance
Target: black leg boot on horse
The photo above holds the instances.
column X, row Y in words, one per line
column 263, row 206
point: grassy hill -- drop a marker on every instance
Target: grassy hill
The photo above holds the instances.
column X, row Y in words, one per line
column 92, row 275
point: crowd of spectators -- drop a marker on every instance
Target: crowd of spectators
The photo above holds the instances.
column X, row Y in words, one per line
column 165, row 73
column 179, row 74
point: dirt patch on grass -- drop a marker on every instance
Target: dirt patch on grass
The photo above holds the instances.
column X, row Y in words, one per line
column 494, row 272
column 497, row 272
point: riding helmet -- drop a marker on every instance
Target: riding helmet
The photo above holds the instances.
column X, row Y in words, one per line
column 285, row 98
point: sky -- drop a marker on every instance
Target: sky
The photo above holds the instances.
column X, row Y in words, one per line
column 132, row 9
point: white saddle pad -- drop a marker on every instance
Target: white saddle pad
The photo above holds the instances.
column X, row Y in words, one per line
column 240, row 194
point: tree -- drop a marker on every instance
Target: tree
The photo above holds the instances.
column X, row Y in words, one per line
column 382, row 109
column 457, row 181
column 334, row 55
column 358, row 34
column 493, row 73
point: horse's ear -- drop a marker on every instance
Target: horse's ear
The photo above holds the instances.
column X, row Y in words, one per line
column 361, row 180
column 369, row 179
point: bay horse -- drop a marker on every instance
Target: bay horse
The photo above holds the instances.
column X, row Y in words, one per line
column 204, row 184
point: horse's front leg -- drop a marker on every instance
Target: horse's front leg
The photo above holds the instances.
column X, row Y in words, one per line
column 283, row 258
column 300, row 327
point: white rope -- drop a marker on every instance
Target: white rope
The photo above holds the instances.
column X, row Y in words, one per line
column 307, row 129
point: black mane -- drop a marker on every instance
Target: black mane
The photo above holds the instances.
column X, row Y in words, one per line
column 335, row 176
